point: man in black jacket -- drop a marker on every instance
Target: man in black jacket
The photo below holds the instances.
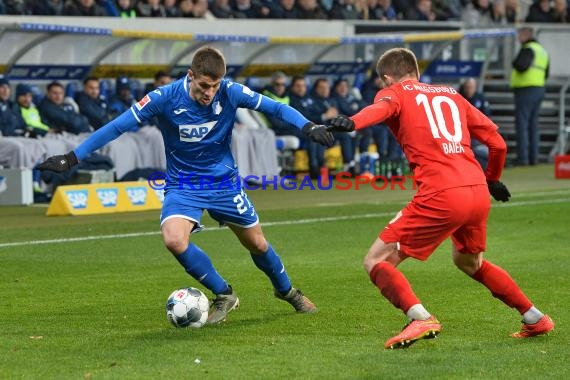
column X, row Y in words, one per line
column 60, row 115
column 92, row 104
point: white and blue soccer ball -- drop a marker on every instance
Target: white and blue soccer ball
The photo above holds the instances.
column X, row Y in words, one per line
column 187, row 307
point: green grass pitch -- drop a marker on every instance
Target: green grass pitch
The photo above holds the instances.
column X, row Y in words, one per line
column 90, row 304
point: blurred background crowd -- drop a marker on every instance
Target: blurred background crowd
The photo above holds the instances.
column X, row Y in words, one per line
column 472, row 12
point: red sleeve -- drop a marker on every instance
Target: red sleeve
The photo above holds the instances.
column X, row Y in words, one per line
column 484, row 130
column 385, row 105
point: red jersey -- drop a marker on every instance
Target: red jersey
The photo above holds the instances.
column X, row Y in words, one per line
column 434, row 125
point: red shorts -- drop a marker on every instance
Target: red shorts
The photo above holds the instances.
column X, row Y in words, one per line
column 429, row 219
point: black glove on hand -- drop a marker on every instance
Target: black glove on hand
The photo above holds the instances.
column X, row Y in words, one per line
column 319, row 134
column 499, row 191
column 341, row 123
column 59, row 163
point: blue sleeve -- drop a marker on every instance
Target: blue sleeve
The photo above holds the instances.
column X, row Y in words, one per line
column 151, row 104
column 282, row 111
column 123, row 123
column 246, row 98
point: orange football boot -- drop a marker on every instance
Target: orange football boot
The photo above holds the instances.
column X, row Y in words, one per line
column 543, row 326
column 414, row 331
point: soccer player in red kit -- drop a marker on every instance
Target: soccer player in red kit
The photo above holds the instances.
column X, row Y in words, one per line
column 434, row 125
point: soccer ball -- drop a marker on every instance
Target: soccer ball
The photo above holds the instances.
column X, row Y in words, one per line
column 187, row 307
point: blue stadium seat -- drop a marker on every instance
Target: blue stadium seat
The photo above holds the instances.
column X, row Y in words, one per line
column 106, row 88
column 37, row 94
column 71, row 89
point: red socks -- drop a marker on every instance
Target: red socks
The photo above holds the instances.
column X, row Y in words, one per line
column 502, row 286
column 394, row 286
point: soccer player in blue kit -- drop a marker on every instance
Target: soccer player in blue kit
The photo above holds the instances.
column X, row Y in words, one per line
column 196, row 115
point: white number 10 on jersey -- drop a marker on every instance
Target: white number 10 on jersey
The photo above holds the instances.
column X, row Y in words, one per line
column 438, row 124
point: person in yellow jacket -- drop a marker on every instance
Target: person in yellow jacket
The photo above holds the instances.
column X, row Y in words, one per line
column 530, row 70
column 34, row 125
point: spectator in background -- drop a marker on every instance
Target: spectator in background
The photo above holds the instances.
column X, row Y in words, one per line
column 126, row 8
column 348, row 105
column 541, row 11
column 171, row 8
column 11, row 122
column 323, row 109
column 46, row 7
column 421, row 11
column 389, row 151
column 59, row 115
column 402, row 6
column 92, row 104
column 469, row 91
column 150, row 8
column 345, row 10
column 222, row 9
column 285, row 9
column 300, row 100
column 311, row 10
column 161, row 78
column 200, row 10
column 512, row 11
column 84, row 8
column 185, row 7
column 123, row 98
column 528, row 77
column 277, row 90
column 250, row 9
column 448, row 10
column 382, row 11
column 29, row 112
column 15, row 7
column 478, row 13
column 561, row 11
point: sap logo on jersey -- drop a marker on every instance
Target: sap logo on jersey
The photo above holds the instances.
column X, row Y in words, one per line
column 137, row 195
column 195, row 133
column 77, row 198
column 108, row 197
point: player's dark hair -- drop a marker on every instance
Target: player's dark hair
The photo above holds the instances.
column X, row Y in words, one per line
column 209, row 62
column 397, row 63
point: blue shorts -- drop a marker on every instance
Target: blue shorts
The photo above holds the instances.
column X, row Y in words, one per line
column 230, row 206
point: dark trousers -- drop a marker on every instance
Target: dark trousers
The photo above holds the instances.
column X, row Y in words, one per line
column 527, row 108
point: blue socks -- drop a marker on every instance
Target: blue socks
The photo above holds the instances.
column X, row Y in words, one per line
column 270, row 263
column 198, row 265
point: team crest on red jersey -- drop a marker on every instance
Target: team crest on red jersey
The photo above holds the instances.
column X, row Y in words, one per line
column 143, row 102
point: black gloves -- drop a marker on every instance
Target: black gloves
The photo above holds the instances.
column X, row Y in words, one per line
column 499, row 191
column 318, row 133
column 341, row 123
column 59, row 163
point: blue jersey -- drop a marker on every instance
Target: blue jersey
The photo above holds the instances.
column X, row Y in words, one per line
column 197, row 138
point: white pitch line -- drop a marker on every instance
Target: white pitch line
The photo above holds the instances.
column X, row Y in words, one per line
column 268, row 224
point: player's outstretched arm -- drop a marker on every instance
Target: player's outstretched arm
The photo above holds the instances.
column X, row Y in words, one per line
column 315, row 132
column 61, row 163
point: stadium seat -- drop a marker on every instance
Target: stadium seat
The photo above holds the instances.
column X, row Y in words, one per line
column 71, row 89
column 37, row 94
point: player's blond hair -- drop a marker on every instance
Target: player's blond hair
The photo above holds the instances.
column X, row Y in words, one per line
column 210, row 62
column 397, row 63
